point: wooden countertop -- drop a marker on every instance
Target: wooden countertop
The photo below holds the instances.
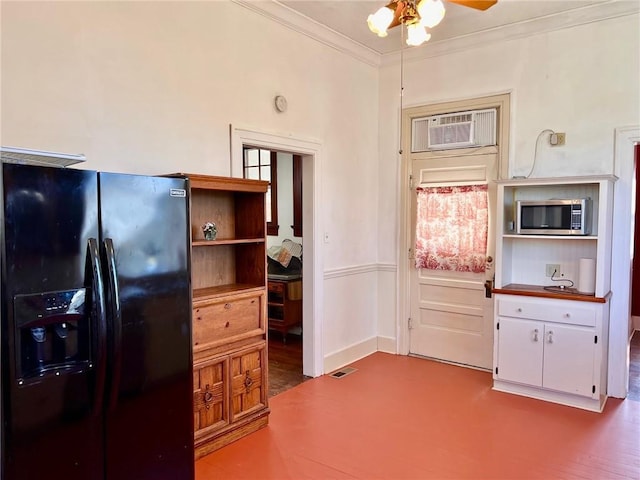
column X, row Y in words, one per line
column 540, row 291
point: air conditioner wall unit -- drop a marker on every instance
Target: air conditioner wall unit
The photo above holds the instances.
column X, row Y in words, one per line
column 474, row 128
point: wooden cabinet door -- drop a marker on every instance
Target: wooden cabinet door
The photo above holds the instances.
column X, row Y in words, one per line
column 210, row 396
column 569, row 355
column 248, row 381
column 520, row 349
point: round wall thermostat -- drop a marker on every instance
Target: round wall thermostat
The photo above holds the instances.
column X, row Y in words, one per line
column 280, row 103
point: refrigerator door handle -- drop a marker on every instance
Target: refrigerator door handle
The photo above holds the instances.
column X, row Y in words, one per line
column 113, row 298
column 100, row 320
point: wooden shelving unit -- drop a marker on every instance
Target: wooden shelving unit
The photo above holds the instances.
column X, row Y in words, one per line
column 229, row 284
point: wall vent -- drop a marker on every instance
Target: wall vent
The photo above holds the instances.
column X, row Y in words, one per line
column 476, row 128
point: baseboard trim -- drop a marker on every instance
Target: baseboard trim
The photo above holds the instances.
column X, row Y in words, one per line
column 635, row 321
column 350, row 354
column 586, row 403
column 387, row 345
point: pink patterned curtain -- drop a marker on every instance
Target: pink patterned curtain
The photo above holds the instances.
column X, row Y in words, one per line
column 451, row 229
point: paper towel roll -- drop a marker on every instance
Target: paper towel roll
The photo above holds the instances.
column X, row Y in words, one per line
column 587, row 276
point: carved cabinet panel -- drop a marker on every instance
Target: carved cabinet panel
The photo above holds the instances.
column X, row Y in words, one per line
column 248, row 390
column 210, row 396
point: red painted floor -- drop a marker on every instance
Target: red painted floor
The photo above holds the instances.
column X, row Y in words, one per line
column 400, row 417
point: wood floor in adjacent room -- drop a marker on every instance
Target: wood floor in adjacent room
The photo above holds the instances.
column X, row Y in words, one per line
column 285, row 362
column 399, row 417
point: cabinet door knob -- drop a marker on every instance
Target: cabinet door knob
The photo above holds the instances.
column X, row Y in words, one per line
column 535, row 335
column 227, row 306
column 207, row 397
column 519, row 310
column 567, row 315
column 550, row 337
column 248, row 381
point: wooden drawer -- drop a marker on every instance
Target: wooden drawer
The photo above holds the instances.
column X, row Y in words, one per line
column 293, row 289
column 227, row 319
column 276, row 287
column 559, row 311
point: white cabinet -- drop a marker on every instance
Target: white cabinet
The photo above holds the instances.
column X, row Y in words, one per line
column 557, row 357
column 520, row 351
column 550, row 344
column 551, row 349
column 568, row 361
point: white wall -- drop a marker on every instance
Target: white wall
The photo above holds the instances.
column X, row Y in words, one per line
column 285, row 201
column 151, row 87
column 581, row 80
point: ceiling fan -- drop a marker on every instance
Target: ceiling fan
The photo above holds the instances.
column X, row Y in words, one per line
column 417, row 15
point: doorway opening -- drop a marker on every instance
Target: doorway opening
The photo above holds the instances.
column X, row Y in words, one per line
column 312, row 293
column 634, row 349
column 621, row 319
column 635, row 277
column 283, row 171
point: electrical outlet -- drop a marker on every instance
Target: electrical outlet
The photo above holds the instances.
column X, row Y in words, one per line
column 552, row 268
column 557, row 139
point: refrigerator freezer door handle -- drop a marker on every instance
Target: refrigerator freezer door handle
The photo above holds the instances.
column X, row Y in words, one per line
column 100, row 319
column 113, row 298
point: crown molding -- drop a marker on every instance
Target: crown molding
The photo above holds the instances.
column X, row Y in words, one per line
column 276, row 11
column 282, row 14
column 549, row 23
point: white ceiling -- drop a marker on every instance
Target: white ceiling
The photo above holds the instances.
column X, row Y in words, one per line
column 349, row 18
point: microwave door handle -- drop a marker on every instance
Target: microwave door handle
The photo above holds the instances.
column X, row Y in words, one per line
column 115, row 321
column 99, row 320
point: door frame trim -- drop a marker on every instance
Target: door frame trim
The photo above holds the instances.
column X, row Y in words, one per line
column 312, row 276
column 502, row 101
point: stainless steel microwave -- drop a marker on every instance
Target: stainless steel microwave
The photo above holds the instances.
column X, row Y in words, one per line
column 554, row 217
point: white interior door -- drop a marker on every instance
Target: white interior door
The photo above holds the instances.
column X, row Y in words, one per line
column 451, row 314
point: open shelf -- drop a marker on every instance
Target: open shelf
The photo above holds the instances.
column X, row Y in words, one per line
column 225, row 241
column 550, row 237
column 522, row 258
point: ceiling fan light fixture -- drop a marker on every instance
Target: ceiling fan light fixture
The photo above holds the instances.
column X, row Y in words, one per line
column 379, row 22
column 417, row 34
column 431, row 12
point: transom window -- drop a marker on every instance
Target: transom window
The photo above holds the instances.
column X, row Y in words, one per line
column 260, row 164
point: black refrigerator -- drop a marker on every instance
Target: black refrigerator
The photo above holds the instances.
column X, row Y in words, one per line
column 96, row 326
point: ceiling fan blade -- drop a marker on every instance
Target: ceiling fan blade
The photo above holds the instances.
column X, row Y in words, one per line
column 397, row 6
column 477, row 4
